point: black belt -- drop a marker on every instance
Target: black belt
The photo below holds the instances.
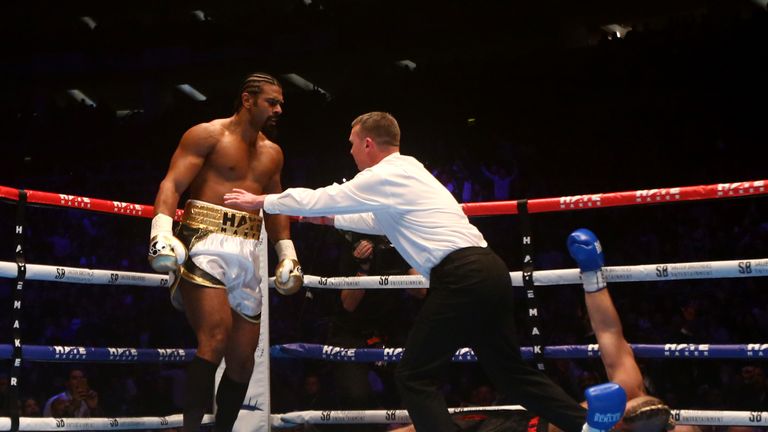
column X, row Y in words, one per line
column 459, row 254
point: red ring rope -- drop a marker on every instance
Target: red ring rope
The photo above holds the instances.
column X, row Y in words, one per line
column 542, row 205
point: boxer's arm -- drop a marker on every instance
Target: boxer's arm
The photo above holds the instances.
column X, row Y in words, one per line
column 617, row 356
column 167, row 252
column 288, row 275
column 186, row 163
column 278, row 226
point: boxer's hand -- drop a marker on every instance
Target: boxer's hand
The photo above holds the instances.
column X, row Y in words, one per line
column 288, row 275
column 244, row 200
column 605, row 406
column 166, row 252
column 586, row 250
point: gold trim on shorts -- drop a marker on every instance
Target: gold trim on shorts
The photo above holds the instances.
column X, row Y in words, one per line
column 222, row 220
column 198, row 280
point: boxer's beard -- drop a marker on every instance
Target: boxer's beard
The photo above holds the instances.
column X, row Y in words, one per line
column 270, row 128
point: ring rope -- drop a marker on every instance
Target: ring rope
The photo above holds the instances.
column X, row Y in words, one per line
column 646, row 272
column 681, row 416
column 540, row 205
column 369, row 416
column 63, row 353
column 99, row 423
column 670, row 351
column 757, row 267
column 620, row 199
column 50, row 273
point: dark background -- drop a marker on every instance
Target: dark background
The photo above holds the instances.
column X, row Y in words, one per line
column 679, row 100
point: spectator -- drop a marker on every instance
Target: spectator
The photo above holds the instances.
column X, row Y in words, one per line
column 77, row 400
column 502, row 181
column 748, row 392
column 30, row 407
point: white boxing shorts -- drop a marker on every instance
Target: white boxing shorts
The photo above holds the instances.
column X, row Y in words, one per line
column 223, row 249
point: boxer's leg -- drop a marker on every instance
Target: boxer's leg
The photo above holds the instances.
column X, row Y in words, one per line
column 209, row 315
column 239, row 360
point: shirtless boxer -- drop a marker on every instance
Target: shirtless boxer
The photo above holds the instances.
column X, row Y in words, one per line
column 214, row 250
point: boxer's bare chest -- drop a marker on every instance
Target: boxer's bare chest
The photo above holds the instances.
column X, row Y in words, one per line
column 234, row 163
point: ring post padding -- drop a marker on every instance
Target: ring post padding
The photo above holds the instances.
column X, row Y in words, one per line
column 257, row 406
column 534, row 323
column 21, row 275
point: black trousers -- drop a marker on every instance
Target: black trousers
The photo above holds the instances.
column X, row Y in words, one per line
column 471, row 300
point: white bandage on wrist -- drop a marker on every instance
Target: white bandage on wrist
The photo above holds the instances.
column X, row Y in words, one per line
column 285, row 250
column 161, row 223
column 593, row 280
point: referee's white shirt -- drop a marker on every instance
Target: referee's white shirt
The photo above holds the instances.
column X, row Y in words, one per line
column 398, row 198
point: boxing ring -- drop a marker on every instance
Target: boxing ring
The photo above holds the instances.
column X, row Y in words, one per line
column 22, row 272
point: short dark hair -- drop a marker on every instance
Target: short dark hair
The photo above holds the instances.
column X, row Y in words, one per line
column 252, row 84
column 381, row 126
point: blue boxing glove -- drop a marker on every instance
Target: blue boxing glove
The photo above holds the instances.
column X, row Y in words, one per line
column 605, row 406
column 585, row 248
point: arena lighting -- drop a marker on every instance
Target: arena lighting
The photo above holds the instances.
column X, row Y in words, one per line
column 90, row 22
column 199, row 15
column 126, row 113
column 81, row 97
column 304, row 84
column 191, row 92
column 406, row 64
column 616, row 30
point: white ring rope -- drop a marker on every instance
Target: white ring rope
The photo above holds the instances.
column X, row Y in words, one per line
column 367, row 416
column 647, row 272
column 757, row 267
column 41, row 272
column 98, row 423
column 683, row 417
